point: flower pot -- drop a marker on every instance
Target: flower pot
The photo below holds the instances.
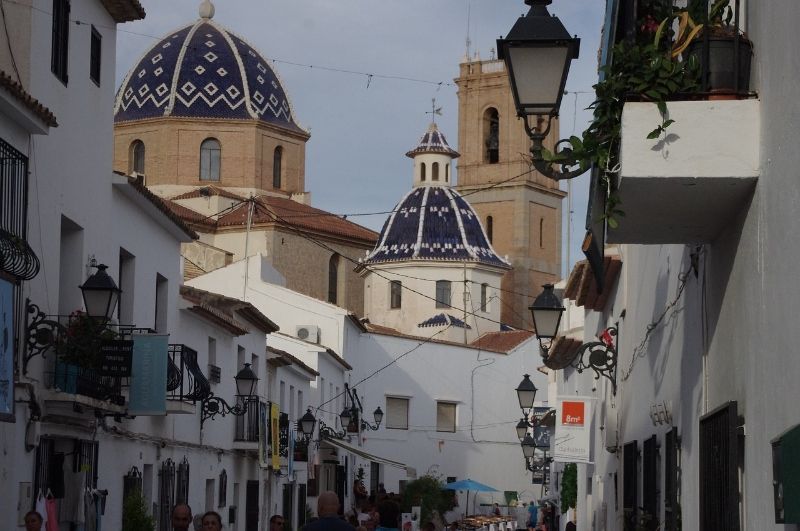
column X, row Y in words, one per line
column 722, row 63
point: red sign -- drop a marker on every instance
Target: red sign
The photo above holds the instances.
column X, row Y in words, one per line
column 572, row 413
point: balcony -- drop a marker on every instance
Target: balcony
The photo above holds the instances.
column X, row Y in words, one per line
column 688, row 186
column 186, row 383
column 16, row 256
column 247, row 426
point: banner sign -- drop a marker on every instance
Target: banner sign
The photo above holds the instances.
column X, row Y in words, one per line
column 116, row 358
column 541, row 434
column 7, row 352
column 573, row 420
column 263, row 435
column 148, row 394
column 275, row 432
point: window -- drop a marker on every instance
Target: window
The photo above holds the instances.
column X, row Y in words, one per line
column 277, row 162
column 447, row 173
column 95, row 55
column 442, row 293
column 396, row 413
column 210, row 159
column 333, row 279
column 59, row 52
column 484, row 297
column 630, row 498
column 299, row 404
column 490, row 228
column 70, row 267
column 282, row 396
column 422, row 171
column 161, row 303
column 137, row 157
column 720, row 461
column 491, row 135
column 127, row 267
column 650, row 480
column 435, row 172
column 396, row 294
column 445, row 416
column 291, row 402
column 254, row 364
column 541, row 233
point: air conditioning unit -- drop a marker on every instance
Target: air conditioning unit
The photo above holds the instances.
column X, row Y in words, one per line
column 308, row 333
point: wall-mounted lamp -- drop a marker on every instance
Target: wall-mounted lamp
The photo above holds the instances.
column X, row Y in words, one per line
column 537, row 52
column 246, row 381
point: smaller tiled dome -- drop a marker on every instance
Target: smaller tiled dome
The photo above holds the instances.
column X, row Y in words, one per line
column 434, row 223
column 433, row 141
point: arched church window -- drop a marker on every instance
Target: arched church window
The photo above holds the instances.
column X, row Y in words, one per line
column 541, row 233
column 491, row 135
column 210, row 156
column 333, row 279
column 422, row 171
column 435, row 172
column 489, row 228
column 484, row 297
column 137, row 158
column 277, row 162
column 447, row 173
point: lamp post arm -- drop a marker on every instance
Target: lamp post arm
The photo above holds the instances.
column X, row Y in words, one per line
column 547, row 168
column 213, row 405
column 602, row 358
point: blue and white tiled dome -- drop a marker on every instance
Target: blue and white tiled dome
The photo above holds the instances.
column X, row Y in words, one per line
column 434, row 223
column 433, row 141
column 204, row 71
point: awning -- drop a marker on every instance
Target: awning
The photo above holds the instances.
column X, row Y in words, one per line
column 361, row 453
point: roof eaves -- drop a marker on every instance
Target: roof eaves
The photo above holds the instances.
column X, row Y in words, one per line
column 124, row 10
column 33, row 105
column 137, row 185
column 339, row 359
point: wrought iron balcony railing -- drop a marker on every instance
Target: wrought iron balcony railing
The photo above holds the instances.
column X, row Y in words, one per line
column 185, row 380
column 247, row 424
column 16, row 256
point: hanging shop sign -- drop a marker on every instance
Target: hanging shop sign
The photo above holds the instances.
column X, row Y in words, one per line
column 275, row 433
column 116, row 358
column 573, row 421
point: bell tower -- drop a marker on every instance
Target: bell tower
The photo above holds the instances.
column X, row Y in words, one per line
column 519, row 208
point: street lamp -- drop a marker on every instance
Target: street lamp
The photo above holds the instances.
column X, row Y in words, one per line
column 246, row 381
column 351, row 415
column 537, row 52
column 546, row 311
column 526, row 394
column 100, row 294
column 307, row 423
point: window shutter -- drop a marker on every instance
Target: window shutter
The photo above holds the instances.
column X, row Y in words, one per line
column 671, row 467
column 397, row 413
column 445, row 417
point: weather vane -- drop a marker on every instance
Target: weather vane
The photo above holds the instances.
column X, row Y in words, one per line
column 434, row 110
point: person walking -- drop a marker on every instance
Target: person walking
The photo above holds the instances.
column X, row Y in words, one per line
column 181, row 517
column 389, row 516
column 328, row 512
column 211, row 521
column 33, row 521
column 276, row 522
column 521, row 514
column 533, row 515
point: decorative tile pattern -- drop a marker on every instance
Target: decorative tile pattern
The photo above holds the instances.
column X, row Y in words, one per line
column 450, row 230
column 433, row 141
column 214, row 80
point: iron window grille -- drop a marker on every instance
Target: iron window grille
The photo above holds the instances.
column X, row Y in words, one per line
column 630, row 486
column 166, row 494
column 16, row 256
column 182, row 482
column 719, row 469
column 247, row 425
column 131, row 483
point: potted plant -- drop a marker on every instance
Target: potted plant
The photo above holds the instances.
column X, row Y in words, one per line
column 729, row 51
column 81, row 341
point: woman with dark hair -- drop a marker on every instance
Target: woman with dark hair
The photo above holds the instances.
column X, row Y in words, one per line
column 33, row 521
column 212, row 521
column 389, row 519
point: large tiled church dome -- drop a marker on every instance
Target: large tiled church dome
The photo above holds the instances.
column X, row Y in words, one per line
column 204, row 71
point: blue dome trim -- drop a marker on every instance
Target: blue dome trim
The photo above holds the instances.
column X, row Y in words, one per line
column 444, row 320
column 204, row 71
column 434, row 223
column 433, row 141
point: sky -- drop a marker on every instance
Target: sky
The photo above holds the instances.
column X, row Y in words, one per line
column 362, row 126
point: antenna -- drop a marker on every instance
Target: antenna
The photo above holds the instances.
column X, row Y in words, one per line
column 434, row 110
column 468, row 41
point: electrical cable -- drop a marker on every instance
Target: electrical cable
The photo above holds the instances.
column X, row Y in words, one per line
column 8, row 41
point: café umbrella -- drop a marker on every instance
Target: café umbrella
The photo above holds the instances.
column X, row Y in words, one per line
column 468, row 485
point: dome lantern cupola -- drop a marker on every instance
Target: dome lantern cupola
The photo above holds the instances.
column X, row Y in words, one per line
column 432, row 159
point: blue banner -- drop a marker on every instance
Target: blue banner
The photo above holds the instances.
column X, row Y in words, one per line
column 7, row 351
column 149, row 375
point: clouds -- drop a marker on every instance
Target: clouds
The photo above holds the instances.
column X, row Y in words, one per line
column 362, row 127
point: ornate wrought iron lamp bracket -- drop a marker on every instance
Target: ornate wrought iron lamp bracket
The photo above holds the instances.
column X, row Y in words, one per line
column 214, row 405
column 602, row 357
column 41, row 333
column 532, row 466
column 568, row 166
column 328, row 432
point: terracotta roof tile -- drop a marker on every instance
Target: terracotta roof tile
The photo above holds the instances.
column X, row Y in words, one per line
column 582, row 286
column 286, row 212
column 502, row 341
column 33, row 105
column 226, row 307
